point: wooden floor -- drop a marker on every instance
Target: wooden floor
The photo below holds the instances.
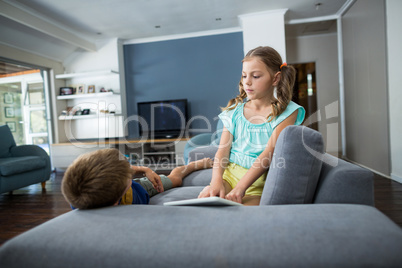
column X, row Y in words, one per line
column 29, row 207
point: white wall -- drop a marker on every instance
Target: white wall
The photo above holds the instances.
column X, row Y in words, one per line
column 322, row 49
column 265, row 28
column 105, row 58
column 394, row 22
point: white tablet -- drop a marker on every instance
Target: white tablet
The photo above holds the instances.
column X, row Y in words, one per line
column 207, row 201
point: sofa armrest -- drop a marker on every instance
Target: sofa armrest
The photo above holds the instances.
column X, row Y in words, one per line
column 195, row 142
column 32, row 150
column 202, row 152
column 344, row 182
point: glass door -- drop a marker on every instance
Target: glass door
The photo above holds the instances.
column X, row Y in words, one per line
column 10, row 108
column 35, row 124
column 23, row 104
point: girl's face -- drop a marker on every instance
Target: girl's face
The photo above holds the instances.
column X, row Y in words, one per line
column 258, row 83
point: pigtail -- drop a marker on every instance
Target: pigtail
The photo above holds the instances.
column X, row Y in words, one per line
column 284, row 91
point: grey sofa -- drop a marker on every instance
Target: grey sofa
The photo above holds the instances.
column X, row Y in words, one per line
column 316, row 211
column 21, row 166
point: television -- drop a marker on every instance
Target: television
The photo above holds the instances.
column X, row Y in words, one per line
column 162, row 119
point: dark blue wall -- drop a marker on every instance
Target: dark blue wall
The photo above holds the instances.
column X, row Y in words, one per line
column 204, row 70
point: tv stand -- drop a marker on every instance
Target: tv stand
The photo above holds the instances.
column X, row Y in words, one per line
column 163, row 135
column 157, row 154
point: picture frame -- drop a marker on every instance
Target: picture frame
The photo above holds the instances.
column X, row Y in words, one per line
column 9, row 112
column 80, row 89
column 66, row 91
column 70, row 110
column 91, row 89
column 12, row 126
column 8, row 98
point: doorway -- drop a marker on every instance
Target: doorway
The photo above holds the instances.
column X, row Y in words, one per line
column 24, row 104
column 305, row 89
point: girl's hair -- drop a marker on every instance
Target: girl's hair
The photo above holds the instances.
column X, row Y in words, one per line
column 96, row 179
column 273, row 61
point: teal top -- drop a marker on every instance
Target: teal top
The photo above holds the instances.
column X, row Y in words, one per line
column 250, row 140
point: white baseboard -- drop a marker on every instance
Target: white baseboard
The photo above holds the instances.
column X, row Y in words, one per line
column 396, row 178
column 366, row 167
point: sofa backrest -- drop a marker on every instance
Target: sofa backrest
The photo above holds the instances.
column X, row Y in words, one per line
column 295, row 167
column 344, row 182
column 308, row 171
column 6, row 141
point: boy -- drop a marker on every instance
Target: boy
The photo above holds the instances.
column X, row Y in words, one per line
column 105, row 178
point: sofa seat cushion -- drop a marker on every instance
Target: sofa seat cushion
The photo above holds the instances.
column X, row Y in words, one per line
column 238, row 236
column 15, row 165
column 176, row 194
column 198, row 178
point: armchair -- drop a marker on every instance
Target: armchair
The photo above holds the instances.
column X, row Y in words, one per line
column 22, row 165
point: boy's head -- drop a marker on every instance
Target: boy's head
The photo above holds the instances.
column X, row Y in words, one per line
column 96, row 179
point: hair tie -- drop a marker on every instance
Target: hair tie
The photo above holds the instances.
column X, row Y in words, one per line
column 284, row 64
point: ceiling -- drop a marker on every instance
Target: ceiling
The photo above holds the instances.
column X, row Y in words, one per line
column 57, row 28
column 10, row 68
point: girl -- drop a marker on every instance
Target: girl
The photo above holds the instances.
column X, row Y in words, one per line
column 252, row 127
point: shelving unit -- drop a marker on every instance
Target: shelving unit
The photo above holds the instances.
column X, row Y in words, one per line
column 96, row 124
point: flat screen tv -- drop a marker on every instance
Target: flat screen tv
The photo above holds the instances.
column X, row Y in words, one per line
column 162, row 119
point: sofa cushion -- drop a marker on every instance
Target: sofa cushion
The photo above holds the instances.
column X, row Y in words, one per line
column 176, row 194
column 6, row 142
column 198, row 178
column 238, row 236
column 15, row 165
column 295, row 168
column 202, row 152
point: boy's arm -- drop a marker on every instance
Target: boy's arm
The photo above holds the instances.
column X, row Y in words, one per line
column 154, row 178
column 261, row 164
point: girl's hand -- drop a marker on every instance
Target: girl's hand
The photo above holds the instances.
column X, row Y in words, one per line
column 155, row 179
column 236, row 195
column 213, row 190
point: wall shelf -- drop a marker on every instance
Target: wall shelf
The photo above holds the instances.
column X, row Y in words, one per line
column 87, row 95
column 89, row 116
column 82, row 74
column 95, row 124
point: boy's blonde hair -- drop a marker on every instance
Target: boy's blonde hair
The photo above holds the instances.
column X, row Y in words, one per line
column 96, row 179
column 273, row 61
